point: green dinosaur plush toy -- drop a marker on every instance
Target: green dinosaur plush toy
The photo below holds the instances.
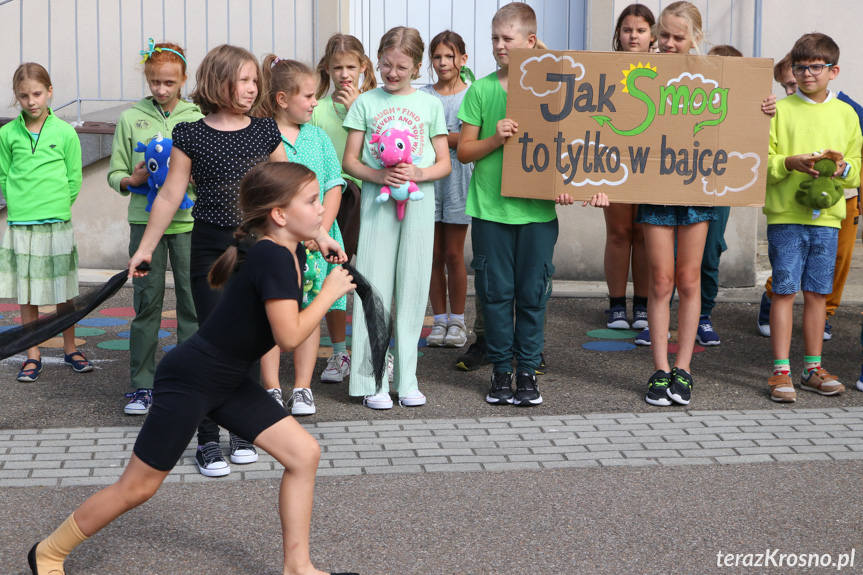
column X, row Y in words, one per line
column 821, row 193
column 310, row 272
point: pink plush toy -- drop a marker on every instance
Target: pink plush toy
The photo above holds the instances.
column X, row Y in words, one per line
column 394, row 147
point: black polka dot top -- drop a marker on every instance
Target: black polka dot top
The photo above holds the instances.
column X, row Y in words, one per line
column 219, row 162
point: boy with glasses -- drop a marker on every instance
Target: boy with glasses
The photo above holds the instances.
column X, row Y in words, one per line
column 802, row 242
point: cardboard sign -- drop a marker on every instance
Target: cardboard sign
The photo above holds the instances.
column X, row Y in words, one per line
column 642, row 128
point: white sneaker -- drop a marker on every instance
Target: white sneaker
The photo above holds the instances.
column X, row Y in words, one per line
column 437, row 335
column 456, row 335
column 413, row 399
column 380, row 400
column 338, row 368
column 390, row 367
column 276, row 394
column 302, row 402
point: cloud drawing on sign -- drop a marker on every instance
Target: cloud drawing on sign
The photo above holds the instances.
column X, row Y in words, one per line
column 695, row 81
column 588, row 181
column 735, row 178
column 532, row 74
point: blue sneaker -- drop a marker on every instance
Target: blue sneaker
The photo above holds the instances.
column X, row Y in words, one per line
column 639, row 317
column 643, row 338
column 828, row 331
column 616, row 318
column 139, row 402
column 764, row 315
column 860, row 381
column 705, row 334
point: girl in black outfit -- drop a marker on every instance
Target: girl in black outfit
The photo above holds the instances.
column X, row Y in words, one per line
column 208, row 375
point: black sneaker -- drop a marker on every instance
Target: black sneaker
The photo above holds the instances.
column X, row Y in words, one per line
column 475, row 356
column 680, row 389
column 242, row 451
column 526, row 390
column 210, row 461
column 657, row 389
column 500, row 392
column 542, row 367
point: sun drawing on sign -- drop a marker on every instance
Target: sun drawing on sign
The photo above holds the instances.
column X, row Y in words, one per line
column 631, row 68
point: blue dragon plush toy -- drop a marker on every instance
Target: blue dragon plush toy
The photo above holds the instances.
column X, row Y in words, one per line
column 157, row 159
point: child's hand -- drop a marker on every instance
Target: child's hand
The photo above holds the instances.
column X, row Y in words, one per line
column 411, row 172
column 338, row 283
column 331, row 249
column 312, row 246
column 138, row 177
column 505, row 129
column 346, row 95
column 564, row 200
column 394, row 176
column 802, row 163
column 840, row 168
column 141, row 260
column 768, row 105
column 598, row 201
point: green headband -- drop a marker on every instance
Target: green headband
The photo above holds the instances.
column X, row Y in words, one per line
column 148, row 53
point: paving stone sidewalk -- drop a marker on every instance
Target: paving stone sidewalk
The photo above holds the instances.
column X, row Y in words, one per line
column 96, row 456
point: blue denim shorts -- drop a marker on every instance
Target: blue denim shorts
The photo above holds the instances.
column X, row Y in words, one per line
column 802, row 257
column 674, row 215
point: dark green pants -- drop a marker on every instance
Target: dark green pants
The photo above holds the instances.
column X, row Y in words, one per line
column 148, row 299
column 513, row 268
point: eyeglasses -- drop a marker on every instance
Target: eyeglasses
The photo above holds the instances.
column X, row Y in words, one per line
column 814, row 69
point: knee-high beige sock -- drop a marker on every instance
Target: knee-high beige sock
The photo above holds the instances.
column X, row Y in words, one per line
column 51, row 552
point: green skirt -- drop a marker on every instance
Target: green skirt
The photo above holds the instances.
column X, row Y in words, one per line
column 39, row 263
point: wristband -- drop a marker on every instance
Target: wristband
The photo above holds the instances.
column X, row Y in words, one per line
column 845, row 171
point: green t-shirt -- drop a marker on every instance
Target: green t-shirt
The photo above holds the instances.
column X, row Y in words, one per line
column 484, row 105
column 421, row 114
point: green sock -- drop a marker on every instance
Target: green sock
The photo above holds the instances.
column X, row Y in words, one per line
column 781, row 366
column 340, row 347
column 811, row 362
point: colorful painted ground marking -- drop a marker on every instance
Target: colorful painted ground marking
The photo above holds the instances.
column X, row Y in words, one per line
column 612, row 333
column 118, row 311
column 609, row 346
column 114, row 344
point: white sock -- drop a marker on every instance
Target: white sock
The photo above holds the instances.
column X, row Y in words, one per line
column 458, row 316
column 440, row 318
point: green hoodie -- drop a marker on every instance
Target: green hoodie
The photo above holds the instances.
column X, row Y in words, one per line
column 40, row 178
column 141, row 123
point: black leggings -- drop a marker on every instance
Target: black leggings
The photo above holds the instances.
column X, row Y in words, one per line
column 194, row 381
column 209, row 242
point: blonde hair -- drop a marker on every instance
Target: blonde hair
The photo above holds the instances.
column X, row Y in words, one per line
column 407, row 41
column 280, row 76
column 266, row 186
column 521, row 15
column 29, row 71
column 220, row 69
column 691, row 16
column 344, row 44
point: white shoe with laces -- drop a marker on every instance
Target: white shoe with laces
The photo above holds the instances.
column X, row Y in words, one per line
column 380, row 400
column 302, row 402
column 338, row 368
column 437, row 335
column 413, row 399
column 456, row 335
